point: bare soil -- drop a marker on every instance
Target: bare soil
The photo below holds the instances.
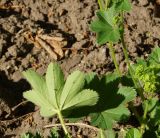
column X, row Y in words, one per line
column 67, row 19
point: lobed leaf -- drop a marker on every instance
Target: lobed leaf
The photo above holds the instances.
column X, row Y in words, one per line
column 106, row 118
column 37, row 82
column 55, row 83
column 53, row 96
column 100, row 26
column 105, row 32
column 151, row 104
column 133, row 133
column 38, row 99
column 47, row 111
column 73, row 85
column 154, row 57
column 89, row 77
column 107, row 16
column 128, row 92
column 111, row 106
column 123, row 5
column 84, row 98
column 106, row 134
column 154, row 111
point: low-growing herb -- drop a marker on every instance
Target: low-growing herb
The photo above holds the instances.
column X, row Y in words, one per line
column 109, row 25
column 107, row 99
column 53, row 94
column 145, row 74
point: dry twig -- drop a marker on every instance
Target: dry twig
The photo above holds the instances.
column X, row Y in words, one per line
column 22, row 103
column 73, row 124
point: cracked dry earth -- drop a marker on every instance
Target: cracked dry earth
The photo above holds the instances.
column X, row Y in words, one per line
column 31, row 31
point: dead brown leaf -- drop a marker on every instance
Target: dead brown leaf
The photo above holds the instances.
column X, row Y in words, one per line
column 53, row 45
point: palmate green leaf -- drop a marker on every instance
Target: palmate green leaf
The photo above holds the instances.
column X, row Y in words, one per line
column 128, row 92
column 155, row 114
column 100, row 26
column 105, row 32
column 111, row 107
column 106, row 118
column 84, row 98
column 55, row 83
column 106, row 134
column 108, row 16
column 73, row 85
column 47, row 111
column 133, row 133
column 89, row 77
column 123, row 5
column 151, row 104
column 30, row 135
column 113, row 101
column 108, row 36
column 52, row 96
column 154, row 57
column 38, row 99
column 37, row 82
column 45, row 95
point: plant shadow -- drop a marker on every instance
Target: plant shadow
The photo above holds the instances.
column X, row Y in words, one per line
column 107, row 89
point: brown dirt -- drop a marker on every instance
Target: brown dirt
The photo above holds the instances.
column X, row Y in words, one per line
column 68, row 19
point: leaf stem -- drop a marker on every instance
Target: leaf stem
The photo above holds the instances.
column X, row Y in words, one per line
column 112, row 53
column 100, row 5
column 131, row 71
column 139, row 90
column 145, row 111
column 143, row 125
column 74, row 124
column 106, row 4
column 63, row 124
column 142, row 120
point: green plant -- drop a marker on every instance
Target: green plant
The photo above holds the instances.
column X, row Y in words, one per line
column 147, row 71
column 107, row 99
column 109, row 25
column 133, row 133
column 30, row 135
column 53, row 95
column 145, row 74
column 111, row 106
